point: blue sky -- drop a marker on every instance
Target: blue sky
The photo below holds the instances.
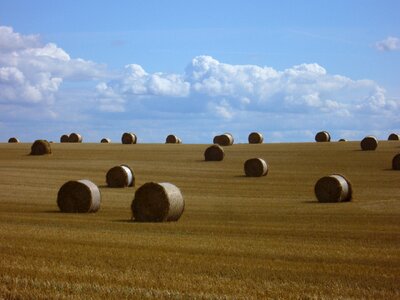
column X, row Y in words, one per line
column 285, row 68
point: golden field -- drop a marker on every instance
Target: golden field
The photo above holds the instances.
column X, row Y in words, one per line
column 239, row 237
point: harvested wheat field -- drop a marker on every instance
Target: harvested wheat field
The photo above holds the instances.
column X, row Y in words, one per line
column 239, row 237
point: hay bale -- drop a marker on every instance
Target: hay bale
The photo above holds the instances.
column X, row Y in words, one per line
column 342, row 140
column 105, row 141
column 394, row 137
column 120, row 176
column 13, row 140
column 323, row 136
column 40, row 147
column 225, row 139
column 173, row 139
column 128, row 138
column 333, row 188
column 256, row 138
column 369, row 143
column 81, row 196
column 64, row 138
column 157, row 202
column 255, row 167
column 396, row 162
column 75, row 138
column 214, row 153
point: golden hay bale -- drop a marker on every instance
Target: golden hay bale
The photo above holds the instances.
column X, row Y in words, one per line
column 256, row 138
column 64, row 138
column 369, row 143
column 173, row 139
column 214, row 153
column 255, row 167
column 75, row 138
column 128, row 138
column 13, row 140
column 81, row 196
column 105, row 141
column 323, row 136
column 396, row 162
column 40, row 147
column 120, row 176
column 225, row 139
column 342, row 140
column 157, row 202
column 333, row 188
column 394, row 137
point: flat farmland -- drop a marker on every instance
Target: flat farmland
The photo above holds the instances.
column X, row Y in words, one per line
column 238, row 237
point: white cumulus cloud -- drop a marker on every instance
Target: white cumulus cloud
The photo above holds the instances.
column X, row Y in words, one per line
column 389, row 44
column 302, row 88
column 32, row 72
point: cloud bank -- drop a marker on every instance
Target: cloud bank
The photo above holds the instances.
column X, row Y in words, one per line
column 227, row 90
column 41, row 82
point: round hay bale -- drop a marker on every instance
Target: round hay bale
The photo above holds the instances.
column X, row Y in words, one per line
column 81, row 196
column 128, row 138
column 333, row 188
column 120, row 176
column 342, row 140
column 214, row 153
column 13, row 140
column 394, row 137
column 255, row 167
column 173, row 139
column 256, row 138
column 40, row 147
column 157, row 202
column 323, row 136
column 396, row 162
column 225, row 139
column 369, row 143
column 105, row 141
column 64, row 138
column 75, row 138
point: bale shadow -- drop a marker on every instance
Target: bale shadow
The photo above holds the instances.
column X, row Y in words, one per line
column 53, row 211
column 311, row 202
column 124, row 221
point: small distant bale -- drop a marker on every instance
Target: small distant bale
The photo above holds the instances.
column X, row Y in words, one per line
column 75, row 138
column 333, row 188
column 128, row 138
column 394, row 137
column 120, row 176
column 323, row 136
column 105, row 141
column 342, row 140
column 255, row 167
column 64, row 138
column 369, row 143
column 173, row 139
column 13, row 140
column 214, row 153
column 40, row 147
column 225, row 139
column 81, row 196
column 396, row 162
column 157, row 202
column 256, row 138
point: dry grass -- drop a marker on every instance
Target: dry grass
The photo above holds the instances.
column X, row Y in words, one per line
column 239, row 237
